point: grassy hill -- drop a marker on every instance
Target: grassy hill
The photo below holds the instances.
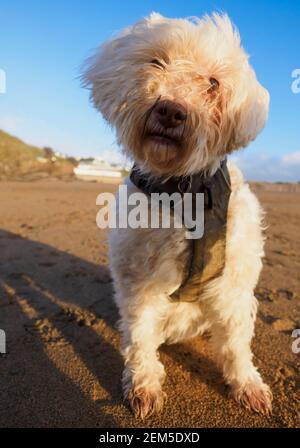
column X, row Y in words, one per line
column 21, row 161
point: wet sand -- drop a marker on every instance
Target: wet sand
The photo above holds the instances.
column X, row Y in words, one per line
column 63, row 367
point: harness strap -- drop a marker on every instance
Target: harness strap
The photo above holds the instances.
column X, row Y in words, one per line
column 207, row 254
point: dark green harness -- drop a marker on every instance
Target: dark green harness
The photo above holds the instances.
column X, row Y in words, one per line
column 207, row 259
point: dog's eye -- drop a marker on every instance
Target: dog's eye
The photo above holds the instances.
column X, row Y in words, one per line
column 157, row 63
column 214, row 85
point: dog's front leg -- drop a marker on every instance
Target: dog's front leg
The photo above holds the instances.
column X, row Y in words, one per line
column 142, row 334
column 231, row 338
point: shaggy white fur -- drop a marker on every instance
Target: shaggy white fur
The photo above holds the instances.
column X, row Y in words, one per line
column 200, row 65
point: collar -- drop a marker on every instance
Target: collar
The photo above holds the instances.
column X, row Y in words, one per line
column 195, row 183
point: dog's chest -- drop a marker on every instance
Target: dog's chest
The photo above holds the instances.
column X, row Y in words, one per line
column 198, row 260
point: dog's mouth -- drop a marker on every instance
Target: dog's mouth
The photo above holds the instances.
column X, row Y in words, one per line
column 163, row 138
column 162, row 147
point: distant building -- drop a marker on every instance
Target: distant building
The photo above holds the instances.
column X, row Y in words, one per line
column 98, row 170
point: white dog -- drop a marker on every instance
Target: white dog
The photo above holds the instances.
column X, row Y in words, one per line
column 181, row 96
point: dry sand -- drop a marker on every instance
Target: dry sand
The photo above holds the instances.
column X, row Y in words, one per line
column 63, row 366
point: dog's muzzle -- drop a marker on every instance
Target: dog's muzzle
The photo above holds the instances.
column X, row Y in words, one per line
column 166, row 122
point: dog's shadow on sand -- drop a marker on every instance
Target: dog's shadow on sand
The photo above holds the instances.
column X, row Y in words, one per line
column 53, row 302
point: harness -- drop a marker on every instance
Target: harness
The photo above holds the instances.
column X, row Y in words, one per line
column 207, row 254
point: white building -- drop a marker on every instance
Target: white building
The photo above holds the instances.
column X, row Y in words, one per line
column 98, row 169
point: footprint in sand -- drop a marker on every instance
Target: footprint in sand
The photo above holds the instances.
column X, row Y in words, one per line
column 47, row 264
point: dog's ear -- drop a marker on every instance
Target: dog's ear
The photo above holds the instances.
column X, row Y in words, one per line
column 249, row 110
column 246, row 102
column 110, row 70
column 102, row 72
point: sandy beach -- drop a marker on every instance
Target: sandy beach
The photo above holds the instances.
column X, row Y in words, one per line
column 63, row 367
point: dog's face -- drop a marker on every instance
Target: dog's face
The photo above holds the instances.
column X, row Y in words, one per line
column 180, row 94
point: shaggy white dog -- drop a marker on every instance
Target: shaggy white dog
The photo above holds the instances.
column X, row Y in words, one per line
column 197, row 73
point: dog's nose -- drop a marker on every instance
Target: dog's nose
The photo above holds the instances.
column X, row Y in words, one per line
column 169, row 114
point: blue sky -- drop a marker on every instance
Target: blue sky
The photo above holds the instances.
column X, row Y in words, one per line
column 42, row 45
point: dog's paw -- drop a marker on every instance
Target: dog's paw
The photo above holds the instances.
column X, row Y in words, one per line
column 145, row 402
column 254, row 396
